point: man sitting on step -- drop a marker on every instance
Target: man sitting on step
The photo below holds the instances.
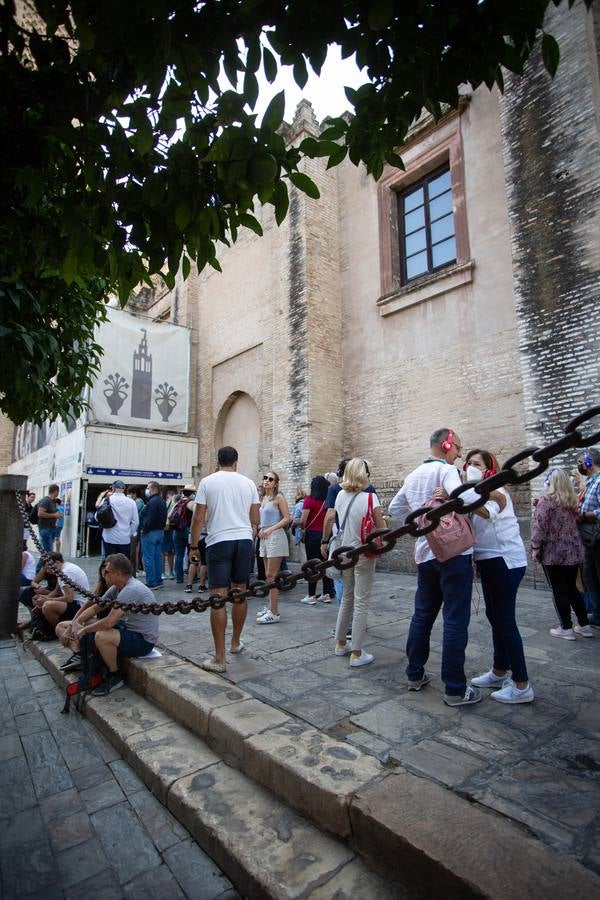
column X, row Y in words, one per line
column 122, row 632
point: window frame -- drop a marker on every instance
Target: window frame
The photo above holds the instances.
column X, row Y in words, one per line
column 429, row 244
column 432, row 147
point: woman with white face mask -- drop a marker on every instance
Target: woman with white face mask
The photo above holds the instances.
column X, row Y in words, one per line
column 499, row 554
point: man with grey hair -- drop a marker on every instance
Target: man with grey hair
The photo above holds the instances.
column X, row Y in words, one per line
column 441, row 585
column 588, row 464
column 152, row 524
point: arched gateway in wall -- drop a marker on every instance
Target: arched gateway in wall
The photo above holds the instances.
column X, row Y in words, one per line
column 238, row 425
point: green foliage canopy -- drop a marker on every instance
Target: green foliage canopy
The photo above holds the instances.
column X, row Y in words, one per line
column 125, row 154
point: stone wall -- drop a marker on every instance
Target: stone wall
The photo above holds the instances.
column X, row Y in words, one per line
column 551, row 142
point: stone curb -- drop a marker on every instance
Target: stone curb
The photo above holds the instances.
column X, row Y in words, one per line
column 406, row 827
column 269, row 851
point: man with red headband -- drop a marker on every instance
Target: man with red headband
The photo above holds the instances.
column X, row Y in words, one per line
column 441, row 585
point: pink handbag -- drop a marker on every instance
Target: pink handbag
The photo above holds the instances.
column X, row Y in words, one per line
column 453, row 535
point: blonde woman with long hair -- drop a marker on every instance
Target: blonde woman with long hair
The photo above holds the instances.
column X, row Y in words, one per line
column 351, row 506
column 557, row 545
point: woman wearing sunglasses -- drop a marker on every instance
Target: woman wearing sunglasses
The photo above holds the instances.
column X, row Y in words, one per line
column 274, row 517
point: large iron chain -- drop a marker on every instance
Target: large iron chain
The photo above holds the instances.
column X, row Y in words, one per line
column 346, row 557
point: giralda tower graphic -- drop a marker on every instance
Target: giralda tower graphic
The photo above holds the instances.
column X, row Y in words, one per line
column 141, row 384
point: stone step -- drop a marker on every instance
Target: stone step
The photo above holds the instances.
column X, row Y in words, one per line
column 267, row 849
column 411, row 830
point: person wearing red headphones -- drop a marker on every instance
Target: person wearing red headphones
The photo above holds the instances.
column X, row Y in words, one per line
column 441, row 585
column 588, row 464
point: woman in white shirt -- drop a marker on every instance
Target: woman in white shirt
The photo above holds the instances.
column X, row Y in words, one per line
column 351, row 506
column 500, row 557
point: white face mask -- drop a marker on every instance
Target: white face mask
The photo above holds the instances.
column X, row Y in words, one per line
column 474, row 474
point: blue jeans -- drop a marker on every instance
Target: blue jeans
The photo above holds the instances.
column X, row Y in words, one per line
column 500, row 585
column 180, row 539
column 591, row 577
column 152, row 543
column 445, row 586
column 47, row 536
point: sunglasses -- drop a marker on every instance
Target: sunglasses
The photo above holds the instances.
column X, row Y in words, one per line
column 268, row 478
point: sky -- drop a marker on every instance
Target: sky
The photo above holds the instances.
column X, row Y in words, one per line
column 326, row 92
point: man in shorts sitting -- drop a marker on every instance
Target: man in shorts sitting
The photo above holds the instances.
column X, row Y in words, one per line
column 228, row 503
column 122, row 632
column 62, row 603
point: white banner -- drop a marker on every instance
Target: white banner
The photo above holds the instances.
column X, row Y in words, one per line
column 145, row 374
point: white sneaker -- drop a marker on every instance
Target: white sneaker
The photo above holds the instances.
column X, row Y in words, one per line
column 565, row 633
column 490, row 679
column 584, row 631
column 342, row 649
column 262, row 611
column 363, row 660
column 310, row 600
column 268, row 618
column 510, row 693
column 325, row 598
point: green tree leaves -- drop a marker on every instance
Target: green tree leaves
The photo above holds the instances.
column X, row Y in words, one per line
column 127, row 148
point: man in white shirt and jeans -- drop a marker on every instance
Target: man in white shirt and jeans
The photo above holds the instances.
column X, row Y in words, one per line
column 118, row 538
column 228, row 502
column 441, row 585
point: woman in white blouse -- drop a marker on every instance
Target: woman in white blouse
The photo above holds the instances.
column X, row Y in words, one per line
column 500, row 557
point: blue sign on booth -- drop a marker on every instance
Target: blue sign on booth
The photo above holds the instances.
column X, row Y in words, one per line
column 133, row 473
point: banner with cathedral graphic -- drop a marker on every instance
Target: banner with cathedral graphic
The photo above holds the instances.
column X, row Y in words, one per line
column 145, row 374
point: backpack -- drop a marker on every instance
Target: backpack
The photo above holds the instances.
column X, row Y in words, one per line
column 92, row 674
column 453, row 535
column 105, row 515
column 181, row 516
column 33, row 515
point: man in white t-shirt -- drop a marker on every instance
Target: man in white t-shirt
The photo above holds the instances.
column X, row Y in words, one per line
column 228, row 502
column 441, row 585
column 118, row 538
column 63, row 602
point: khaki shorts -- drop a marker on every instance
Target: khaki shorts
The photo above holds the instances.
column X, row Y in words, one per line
column 275, row 545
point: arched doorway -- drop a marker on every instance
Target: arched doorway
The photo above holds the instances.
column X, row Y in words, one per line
column 238, row 425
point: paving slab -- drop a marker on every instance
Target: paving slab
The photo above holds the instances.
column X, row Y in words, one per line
column 157, row 884
column 237, row 824
column 80, row 863
column 356, row 882
column 166, row 753
column 311, row 771
column 125, row 842
column 122, row 714
column 230, row 725
column 428, row 835
column 188, row 693
column 195, row 872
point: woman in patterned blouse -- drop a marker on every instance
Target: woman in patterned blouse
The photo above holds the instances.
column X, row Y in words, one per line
column 556, row 544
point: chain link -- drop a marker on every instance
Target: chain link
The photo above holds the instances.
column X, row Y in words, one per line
column 347, row 557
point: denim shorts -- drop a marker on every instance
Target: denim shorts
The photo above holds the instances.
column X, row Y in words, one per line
column 132, row 643
column 229, row 562
column 168, row 545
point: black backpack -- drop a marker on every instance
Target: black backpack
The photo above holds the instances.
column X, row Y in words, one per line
column 93, row 670
column 33, row 515
column 105, row 515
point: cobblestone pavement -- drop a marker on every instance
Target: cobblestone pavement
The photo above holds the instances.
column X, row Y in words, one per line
column 75, row 821
column 536, row 763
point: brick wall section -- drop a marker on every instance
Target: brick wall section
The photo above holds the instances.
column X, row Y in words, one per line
column 552, row 167
column 7, row 430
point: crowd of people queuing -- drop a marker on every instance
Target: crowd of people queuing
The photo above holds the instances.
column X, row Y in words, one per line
column 216, row 535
